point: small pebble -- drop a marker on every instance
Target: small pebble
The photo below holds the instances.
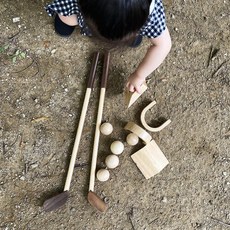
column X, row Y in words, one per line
column 22, row 178
column 73, row 209
column 33, row 166
column 16, row 19
column 53, row 51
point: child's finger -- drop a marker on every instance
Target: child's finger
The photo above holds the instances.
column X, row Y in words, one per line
column 138, row 89
column 131, row 88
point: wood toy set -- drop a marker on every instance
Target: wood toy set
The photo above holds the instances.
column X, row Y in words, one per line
column 149, row 159
column 60, row 199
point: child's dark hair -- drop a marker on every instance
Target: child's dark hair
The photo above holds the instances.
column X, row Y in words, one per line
column 115, row 19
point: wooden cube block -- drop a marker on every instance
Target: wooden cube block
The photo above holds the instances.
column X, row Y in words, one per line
column 150, row 159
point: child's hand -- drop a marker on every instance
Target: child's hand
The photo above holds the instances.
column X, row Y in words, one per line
column 134, row 82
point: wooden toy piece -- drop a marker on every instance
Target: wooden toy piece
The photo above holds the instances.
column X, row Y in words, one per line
column 132, row 139
column 112, row 161
column 93, row 198
column 98, row 121
column 150, row 159
column 131, row 97
column 141, row 133
column 106, row 128
column 117, row 147
column 60, row 199
column 152, row 129
column 103, row 175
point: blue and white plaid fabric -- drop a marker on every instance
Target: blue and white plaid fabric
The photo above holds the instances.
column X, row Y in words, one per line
column 155, row 23
column 153, row 27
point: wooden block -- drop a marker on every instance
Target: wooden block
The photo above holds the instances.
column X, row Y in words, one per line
column 131, row 97
column 144, row 123
column 140, row 132
column 150, row 159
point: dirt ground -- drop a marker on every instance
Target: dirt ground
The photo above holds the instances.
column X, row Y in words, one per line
column 43, row 81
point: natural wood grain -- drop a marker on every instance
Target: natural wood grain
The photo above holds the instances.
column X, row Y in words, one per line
column 150, row 159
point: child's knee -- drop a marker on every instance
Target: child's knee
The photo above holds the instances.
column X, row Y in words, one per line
column 62, row 28
column 69, row 20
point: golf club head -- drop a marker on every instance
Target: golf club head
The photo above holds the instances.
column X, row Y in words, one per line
column 56, row 202
column 97, row 202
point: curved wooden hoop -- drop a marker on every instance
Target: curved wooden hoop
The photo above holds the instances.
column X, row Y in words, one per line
column 140, row 132
column 149, row 128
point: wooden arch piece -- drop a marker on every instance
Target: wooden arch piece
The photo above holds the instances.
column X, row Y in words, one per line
column 144, row 123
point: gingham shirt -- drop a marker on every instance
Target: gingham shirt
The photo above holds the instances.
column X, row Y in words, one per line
column 152, row 28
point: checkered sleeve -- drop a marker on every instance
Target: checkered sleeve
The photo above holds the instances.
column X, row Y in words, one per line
column 67, row 8
column 155, row 23
column 63, row 7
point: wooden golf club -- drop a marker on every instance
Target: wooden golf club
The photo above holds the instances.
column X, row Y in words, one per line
column 60, row 199
column 93, row 198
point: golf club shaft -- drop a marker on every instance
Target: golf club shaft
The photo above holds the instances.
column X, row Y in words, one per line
column 98, row 122
column 81, row 122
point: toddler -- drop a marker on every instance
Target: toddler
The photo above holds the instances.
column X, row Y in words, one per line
column 125, row 21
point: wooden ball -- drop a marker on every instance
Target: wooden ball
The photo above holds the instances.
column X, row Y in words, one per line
column 103, row 175
column 106, row 128
column 117, row 147
column 112, row 161
column 132, row 139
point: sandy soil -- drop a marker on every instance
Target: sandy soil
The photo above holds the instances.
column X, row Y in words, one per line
column 43, row 81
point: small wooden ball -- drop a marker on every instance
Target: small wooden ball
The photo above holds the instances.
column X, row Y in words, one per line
column 117, row 147
column 132, row 139
column 112, row 161
column 103, row 175
column 106, row 128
